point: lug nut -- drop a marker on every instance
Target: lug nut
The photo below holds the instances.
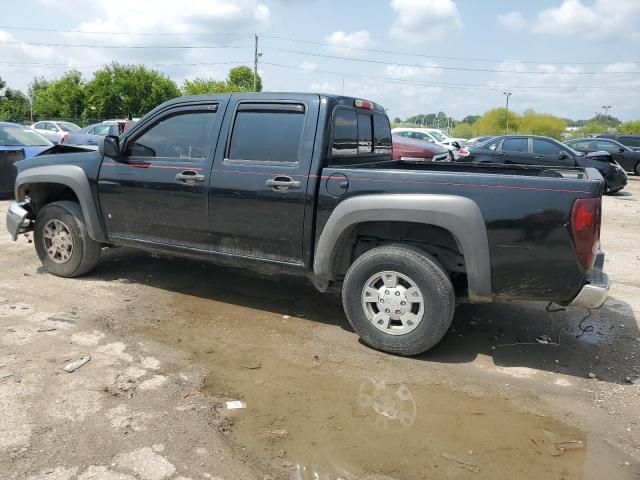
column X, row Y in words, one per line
column 397, row 312
column 387, row 310
column 397, row 294
column 382, row 300
column 403, row 303
column 386, row 292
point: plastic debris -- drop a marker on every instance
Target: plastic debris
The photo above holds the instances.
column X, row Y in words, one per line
column 544, row 339
column 235, row 404
column 592, row 375
column 46, row 329
column 73, row 366
column 555, row 444
column 471, row 467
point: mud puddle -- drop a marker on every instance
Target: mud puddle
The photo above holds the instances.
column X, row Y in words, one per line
column 309, row 417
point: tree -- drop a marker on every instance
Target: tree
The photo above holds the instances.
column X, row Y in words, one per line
column 38, row 83
column 630, row 127
column 594, row 127
column 471, row 119
column 121, row 90
column 61, row 98
column 14, row 106
column 241, row 79
column 463, row 130
column 494, row 122
column 533, row 123
column 200, row 86
column 397, row 120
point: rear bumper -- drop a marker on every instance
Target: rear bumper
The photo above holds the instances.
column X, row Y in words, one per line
column 616, row 180
column 17, row 219
column 595, row 291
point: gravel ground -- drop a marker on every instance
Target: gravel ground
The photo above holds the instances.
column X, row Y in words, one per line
column 171, row 341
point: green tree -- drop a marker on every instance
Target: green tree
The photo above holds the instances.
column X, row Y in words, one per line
column 533, row 123
column 121, row 90
column 630, row 127
column 14, row 106
column 61, row 98
column 463, row 130
column 397, row 120
column 494, row 122
column 471, row 119
column 38, row 83
column 200, row 86
column 594, row 127
column 241, row 79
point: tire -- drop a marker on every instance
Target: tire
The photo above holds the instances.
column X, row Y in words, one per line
column 637, row 169
column 57, row 226
column 419, row 328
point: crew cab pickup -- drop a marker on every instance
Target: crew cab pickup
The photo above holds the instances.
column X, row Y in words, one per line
column 305, row 184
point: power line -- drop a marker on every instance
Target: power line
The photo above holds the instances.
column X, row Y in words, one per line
column 468, row 86
column 440, row 67
column 155, row 65
column 176, row 47
column 136, row 34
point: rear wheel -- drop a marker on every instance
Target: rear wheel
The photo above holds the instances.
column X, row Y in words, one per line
column 62, row 241
column 637, row 169
column 398, row 299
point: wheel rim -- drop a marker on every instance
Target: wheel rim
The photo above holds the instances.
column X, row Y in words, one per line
column 393, row 303
column 58, row 241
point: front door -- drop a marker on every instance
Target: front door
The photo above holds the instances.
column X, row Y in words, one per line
column 548, row 153
column 157, row 192
column 259, row 179
column 514, row 150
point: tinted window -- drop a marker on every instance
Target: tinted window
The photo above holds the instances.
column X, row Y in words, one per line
column 544, row 147
column 50, row 126
column 266, row 136
column 103, row 130
column 345, row 133
column 39, row 125
column 630, row 141
column 181, row 136
column 17, row 136
column 582, row 145
column 607, row 146
column 515, row 145
column 382, row 133
column 492, row 145
column 365, row 134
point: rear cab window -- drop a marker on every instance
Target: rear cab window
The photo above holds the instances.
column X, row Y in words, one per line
column 359, row 136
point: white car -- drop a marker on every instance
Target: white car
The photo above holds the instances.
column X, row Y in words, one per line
column 429, row 134
column 55, row 131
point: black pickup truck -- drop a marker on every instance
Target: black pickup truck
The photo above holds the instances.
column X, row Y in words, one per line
column 305, row 184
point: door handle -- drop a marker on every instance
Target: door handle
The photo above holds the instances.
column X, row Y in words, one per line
column 538, row 157
column 189, row 177
column 283, row 184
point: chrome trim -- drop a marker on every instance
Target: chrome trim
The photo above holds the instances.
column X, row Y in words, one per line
column 594, row 293
column 17, row 220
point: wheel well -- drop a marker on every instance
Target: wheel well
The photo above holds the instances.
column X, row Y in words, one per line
column 41, row 194
column 436, row 241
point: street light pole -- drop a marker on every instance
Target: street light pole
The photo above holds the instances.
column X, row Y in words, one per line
column 606, row 109
column 507, row 94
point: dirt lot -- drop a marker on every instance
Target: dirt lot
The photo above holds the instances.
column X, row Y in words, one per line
column 172, row 340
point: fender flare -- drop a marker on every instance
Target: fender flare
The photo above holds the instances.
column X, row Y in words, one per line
column 460, row 216
column 76, row 179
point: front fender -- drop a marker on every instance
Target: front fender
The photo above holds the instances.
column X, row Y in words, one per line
column 73, row 177
column 458, row 215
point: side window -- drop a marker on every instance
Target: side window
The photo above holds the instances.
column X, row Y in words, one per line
column 583, row 145
column 365, row 134
column 493, row 145
column 267, row 135
column 382, row 134
column 545, row 147
column 181, row 136
column 102, row 130
column 91, row 131
column 49, row 126
column 607, row 146
column 630, row 141
column 39, row 126
column 345, row 133
column 517, row 145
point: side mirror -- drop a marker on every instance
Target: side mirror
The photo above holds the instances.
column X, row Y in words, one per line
column 109, row 146
column 563, row 155
column 621, row 150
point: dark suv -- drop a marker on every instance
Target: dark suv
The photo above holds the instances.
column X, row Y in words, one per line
column 626, row 157
column 630, row 140
column 545, row 151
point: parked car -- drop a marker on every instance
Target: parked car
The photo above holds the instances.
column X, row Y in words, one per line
column 304, row 184
column 430, row 135
column 632, row 141
column 626, row 157
column 55, row 131
column 536, row 150
column 476, row 140
column 92, row 134
column 410, row 150
column 17, row 143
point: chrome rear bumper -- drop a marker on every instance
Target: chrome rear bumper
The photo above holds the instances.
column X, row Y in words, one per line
column 17, row 219
column 594, row 293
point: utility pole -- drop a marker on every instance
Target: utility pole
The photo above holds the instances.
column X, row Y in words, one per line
column 256, row 55
column 606, row 109
column 507, row 94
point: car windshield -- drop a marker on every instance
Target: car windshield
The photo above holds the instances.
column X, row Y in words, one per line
column 437, row 135
column 69, row 127
column 21, row 137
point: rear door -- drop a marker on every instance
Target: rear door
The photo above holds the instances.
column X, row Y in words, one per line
column 514, row 150
column 158, row 191
column 259, row 180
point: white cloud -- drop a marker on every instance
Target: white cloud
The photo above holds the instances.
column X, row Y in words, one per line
column 602, row 18
column 513, row 21
column 343, row 42
column 405, row 72
column 325, row 87
column 308, row 66
column 424, row 20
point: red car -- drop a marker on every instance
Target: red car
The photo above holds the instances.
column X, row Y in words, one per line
column 411, row 150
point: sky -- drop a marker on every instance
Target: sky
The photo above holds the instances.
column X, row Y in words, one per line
column 565, row 57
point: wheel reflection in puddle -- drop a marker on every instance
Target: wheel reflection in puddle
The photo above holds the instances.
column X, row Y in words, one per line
column 393, row 405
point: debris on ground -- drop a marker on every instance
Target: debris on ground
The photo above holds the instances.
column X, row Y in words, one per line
column 555, row 444
column 252, row 365
column 544, row 339
column 5, row 375
column 123, row 386
column 471, row 467
column 61, row 319
column 235, row 404
column 281, row 432
column 46, row 329
column 73, row 366
column 592, row 375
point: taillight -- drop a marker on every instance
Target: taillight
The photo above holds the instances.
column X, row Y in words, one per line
column 463, row 152
column 363, row 104
column 585, row 226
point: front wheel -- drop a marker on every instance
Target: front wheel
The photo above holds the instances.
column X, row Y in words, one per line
column 398, row 299
column 62, row 240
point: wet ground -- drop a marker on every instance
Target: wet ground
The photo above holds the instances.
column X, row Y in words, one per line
column 489, row 401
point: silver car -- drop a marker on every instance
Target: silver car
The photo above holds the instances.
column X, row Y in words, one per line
column 55, row 130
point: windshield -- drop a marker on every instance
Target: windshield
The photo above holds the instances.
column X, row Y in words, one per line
column 21, row 137
column 437, row 135
column 69, row 127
